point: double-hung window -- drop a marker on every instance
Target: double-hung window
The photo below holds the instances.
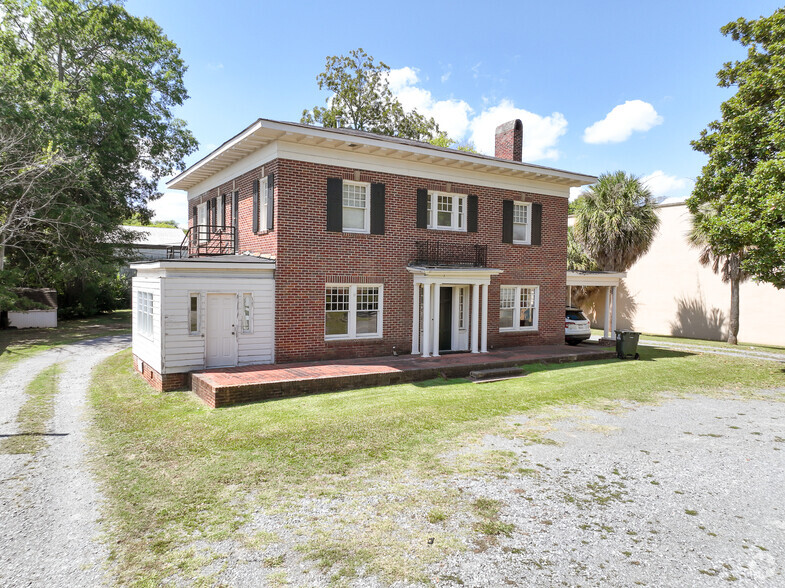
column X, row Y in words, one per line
column 144, row 313
column 446, row 211
column 518, row 308
column 353, row 311
column 356, row 207
column 521, row 223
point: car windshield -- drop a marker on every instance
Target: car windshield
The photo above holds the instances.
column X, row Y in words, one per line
column 575, row 315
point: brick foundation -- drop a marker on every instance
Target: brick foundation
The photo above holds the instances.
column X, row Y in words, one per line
column 162, row 383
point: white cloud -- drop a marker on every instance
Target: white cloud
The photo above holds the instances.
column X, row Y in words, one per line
column 622, row 121
column 171, row 206
column 576, row 191
column 661, row 184
column 452, row 115
column 215, row 66
column 540, row 133
column 446, row 76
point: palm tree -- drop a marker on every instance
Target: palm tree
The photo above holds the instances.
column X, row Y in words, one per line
column 727, row 265
column 615, row 221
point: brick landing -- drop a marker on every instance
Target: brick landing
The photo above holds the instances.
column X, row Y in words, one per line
column 227, row 386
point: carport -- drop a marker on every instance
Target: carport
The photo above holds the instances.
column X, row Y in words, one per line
column 609, row 281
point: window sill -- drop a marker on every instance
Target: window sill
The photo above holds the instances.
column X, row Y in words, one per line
column 521, row 243
column 447, row 229
column 346, row 339
column 356, row 231
column 519, row 330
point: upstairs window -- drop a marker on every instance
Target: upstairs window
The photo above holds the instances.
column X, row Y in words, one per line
column 521, row 223
column 356, row 207
column 446, row 211
column 518, row 308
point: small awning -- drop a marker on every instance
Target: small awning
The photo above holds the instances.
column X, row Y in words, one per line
column 580, row 278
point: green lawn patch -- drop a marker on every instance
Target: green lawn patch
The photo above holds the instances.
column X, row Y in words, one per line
column 175, row 472
column 34, row 415
column 705, row 343
column 17, row 344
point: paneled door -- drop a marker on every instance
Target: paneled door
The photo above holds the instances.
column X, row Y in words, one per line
column 221, row 322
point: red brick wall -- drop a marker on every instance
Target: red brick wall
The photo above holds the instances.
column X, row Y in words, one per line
column 162, row 383
column 309, row 256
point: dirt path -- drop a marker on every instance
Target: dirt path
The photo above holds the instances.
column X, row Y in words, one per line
column 48, row 501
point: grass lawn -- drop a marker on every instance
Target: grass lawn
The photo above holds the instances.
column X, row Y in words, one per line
column 18, row 344
column 354, row 481
column 705, row 342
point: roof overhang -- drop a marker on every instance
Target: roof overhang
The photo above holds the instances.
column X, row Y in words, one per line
column 232, row 263
column 577, row 278
column 453, row 275
column 263, row 132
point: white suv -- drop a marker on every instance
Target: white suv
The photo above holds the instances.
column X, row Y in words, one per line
column 576, row 327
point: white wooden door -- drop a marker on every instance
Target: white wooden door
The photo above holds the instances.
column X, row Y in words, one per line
column 460, row 318
column 221, row 322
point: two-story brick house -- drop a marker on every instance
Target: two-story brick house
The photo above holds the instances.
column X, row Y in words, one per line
column 309, row 243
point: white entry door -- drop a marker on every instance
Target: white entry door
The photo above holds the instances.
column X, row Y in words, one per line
column 221, row 321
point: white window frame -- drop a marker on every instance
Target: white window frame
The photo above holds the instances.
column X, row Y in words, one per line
column 352, row 327
column 201, row 222
column 527, row 224
column 246, row 300
column 517, row 309
column 367, row 216
column 197, row 296
column 144, row 313
column 459, row 214
column 263, row 205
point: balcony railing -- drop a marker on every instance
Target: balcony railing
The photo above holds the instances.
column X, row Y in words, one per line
column 205, row 240
column 436, row 253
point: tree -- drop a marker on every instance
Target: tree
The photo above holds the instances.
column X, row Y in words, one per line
column 727, row 265
column 615, row 223
column 361, row 99
column 86, row 96
column 744, row 178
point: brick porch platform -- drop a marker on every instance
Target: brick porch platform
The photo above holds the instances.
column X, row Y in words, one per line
column 227, row 386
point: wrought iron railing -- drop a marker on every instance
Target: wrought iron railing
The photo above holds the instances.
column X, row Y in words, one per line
column 205, row 240
column 436, row 253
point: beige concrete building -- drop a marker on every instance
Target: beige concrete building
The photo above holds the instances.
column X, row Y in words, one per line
column 668, row 292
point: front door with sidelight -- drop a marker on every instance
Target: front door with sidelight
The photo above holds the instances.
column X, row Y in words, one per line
column 445, row 318
column 221, row 338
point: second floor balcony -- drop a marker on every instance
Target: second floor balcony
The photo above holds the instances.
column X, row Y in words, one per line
column 206, row 240
column 437, row 253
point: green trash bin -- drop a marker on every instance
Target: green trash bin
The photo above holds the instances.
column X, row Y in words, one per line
column 627, row 344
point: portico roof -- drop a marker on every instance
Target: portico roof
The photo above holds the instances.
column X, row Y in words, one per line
column 595, row 278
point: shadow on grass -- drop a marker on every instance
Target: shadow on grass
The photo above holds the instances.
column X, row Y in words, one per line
column 35, row 435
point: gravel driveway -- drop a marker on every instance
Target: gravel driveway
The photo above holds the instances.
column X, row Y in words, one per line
column 687, row 493
column 49, row 502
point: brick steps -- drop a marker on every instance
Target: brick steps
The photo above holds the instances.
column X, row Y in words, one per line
column 225, row 387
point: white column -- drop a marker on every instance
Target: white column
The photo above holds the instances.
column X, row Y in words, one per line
column 426, row 319
column 416, row 319
column 613, row 313
column 484, row 338
column 569, row 296
column 607, row 311
column 475, row 318
column 436, row 313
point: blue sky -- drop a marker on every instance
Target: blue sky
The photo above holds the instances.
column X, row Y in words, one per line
column 600, row 86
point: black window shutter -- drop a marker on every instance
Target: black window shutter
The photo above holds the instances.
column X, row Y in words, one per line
column 270, row 201
column 335, row 204
column 255, row 221
column 422, row 208
column 196, row 216
column 235, row 223
column 471, row 209
column 536, row 224
column 223, row 211
column 209, row 216
column 507, row 209
column 377, row 209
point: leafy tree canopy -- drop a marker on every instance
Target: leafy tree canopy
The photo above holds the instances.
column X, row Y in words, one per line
column 615, row 223
column 744, row 179
column 138, row 221
column 361, row 99
column 87, row 129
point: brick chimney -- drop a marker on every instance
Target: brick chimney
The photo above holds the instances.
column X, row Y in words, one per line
column 509, row 140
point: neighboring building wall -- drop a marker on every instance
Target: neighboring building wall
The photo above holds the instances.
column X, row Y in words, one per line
column 308, row 257
column 32, row 319
column 668, row 292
